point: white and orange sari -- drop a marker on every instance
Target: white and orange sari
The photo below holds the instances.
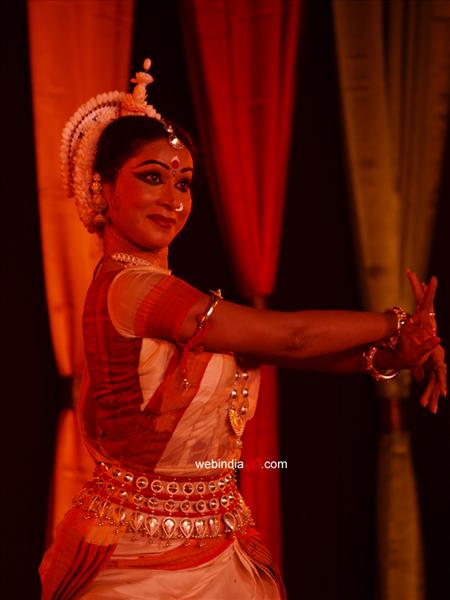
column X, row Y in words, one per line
column 155, row 522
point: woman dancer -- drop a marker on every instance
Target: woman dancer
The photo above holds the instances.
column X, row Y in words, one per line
column 164, row 387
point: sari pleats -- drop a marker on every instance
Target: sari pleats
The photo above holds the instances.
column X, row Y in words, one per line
column 253, row 546
column 80, row 550
column 182, row 557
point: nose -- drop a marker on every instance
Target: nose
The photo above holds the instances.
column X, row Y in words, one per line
column 168, row 198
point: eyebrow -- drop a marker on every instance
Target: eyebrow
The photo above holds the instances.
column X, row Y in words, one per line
column 161, row 164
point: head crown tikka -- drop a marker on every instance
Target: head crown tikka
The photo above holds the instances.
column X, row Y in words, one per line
column 81, row 135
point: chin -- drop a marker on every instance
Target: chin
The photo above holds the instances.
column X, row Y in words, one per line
column 156, row 244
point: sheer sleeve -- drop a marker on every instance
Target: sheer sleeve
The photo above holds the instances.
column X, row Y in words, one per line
column 147, row 303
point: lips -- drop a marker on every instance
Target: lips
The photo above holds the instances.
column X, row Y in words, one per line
column 164, row 222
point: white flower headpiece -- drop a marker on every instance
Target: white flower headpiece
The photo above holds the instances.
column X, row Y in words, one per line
column 82, row 132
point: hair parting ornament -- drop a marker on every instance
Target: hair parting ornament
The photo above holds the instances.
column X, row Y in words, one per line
column 80, row 138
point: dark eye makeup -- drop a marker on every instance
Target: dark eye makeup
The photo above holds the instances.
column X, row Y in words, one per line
column 155, row 177
column 184, row 185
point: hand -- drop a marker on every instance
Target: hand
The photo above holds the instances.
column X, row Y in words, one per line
column 435, row 364
column 415, row 347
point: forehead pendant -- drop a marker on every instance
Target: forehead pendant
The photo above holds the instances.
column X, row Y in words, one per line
column 173, row 140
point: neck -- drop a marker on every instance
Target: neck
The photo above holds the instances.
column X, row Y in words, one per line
column 113, row 242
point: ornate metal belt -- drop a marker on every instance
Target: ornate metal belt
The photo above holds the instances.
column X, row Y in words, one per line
column 170, row 508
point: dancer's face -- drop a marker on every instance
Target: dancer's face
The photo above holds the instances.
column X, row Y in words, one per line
column 150, row 199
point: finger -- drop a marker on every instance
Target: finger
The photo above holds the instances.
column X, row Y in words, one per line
column 427, row 302
column 433, row 317
column 428, row 297
column 434, row 399
column 442, row 379
column 415, row 286
column 425, row 398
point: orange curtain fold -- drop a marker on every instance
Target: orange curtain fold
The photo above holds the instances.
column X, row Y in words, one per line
column 241, row 58
column 77, row 50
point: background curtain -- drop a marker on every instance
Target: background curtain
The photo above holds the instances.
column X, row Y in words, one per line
column 77, row 50
column 241, row 63
column 394, row 60
column 327, row 423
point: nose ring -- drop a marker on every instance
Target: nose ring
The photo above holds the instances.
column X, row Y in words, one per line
column 179, row 208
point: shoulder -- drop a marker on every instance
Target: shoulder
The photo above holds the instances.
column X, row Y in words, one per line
column 136, row 280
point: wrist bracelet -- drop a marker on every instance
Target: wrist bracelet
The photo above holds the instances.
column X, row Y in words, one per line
column 392, row 341
column 369, row 358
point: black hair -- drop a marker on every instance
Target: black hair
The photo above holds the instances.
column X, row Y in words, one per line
column 124, row 136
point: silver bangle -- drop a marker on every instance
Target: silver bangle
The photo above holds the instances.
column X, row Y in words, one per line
column 216, row 297
column 369, row 358
column 391, row 343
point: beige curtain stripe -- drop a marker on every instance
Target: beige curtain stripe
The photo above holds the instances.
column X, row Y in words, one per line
column 393, row 60
column 375, row 204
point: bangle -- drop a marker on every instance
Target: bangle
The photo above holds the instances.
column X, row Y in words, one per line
column 200, row 332
column 216, row 297
column 391, row 342
column 369, row 356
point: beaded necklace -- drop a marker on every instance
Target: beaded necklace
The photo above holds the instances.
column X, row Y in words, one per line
column 129, row 259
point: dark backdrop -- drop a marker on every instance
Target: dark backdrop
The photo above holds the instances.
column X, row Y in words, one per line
column 328, row 424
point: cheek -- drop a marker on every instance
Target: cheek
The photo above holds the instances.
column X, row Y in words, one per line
column 134, row 194
column 183, row 218
column 187, row 210
column 139, row 196
column 188, row 202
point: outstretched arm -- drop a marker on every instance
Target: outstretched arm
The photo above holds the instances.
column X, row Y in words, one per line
column 297, row 338
column 275, row 336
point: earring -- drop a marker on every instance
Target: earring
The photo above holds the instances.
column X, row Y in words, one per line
column 100, row 221
column 97, row 200
column 179, row 208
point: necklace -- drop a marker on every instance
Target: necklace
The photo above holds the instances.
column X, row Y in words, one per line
column 238, row 406
column 129, row 259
